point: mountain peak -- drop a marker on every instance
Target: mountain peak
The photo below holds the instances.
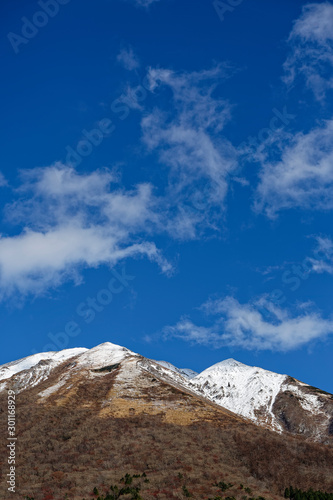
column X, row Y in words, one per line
column 108, row 398
column 226, row 364
column 108, row 346
column 255, row 393
column 230, row 362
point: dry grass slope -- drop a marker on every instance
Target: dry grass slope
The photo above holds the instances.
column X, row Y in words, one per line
column 104, row 425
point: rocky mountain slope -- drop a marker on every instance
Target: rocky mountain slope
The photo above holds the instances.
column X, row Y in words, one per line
column 85, row 417
column 278, row 401
column 275, row 401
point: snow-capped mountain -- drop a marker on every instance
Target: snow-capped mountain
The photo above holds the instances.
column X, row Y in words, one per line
column 275, row 401
column 279, row 402
column 85, row 417
column 246, row 390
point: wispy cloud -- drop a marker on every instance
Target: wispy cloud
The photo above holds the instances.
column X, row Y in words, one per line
column 71, row 222
column 3, row 181
column 297, row 171
column 128, row 59
column 322, row 262
column 311, row 44
column 319, row 262
column 245, row 326
column 186, row 135
column 67, row 222
column 144, row 3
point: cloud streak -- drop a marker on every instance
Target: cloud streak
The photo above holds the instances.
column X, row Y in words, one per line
column 188, row 142
column 323, row 261
column 297, row 171
column 3, row 181
column 311, row 49
column 260, row 325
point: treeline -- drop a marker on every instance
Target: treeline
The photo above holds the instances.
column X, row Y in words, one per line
column 297, row 494
column 130, row 487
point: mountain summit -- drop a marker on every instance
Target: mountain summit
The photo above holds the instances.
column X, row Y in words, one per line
column 275, row 401
column 85, row 417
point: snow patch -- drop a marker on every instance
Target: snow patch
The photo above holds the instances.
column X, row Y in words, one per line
column 50, row 390
column 186, row 372
column 10, row 369
column 309, row 402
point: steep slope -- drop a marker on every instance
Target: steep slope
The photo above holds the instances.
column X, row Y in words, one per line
column 304, row 410
column 53, row 357
column 269, row 399
column 275, row 401
column 33, row 369
column 246, row 390
column 107, row 411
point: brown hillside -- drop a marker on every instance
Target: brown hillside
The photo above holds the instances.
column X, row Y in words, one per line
column 103, row 423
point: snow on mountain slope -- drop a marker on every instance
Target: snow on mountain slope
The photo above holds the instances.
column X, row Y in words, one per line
column 103, row 354
column 279, row 402
column 186, row 372
column 302, row 409
column 54, row 357
column 247, row 390
column 32, row 370
column 276, row 401
column 98, row 360
column 95, row 357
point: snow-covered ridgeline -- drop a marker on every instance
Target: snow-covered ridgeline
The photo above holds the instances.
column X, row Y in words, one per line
column 245, row 390
column 185, row 372
column 95, row 357
column 53, row 357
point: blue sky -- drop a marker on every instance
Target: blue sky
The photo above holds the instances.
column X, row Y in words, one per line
column 166, row 181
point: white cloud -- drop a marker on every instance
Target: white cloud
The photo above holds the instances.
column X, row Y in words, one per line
column 257, row 326
column 297, row 171
column 36, row 260
column 128, row 59
column 71, row 222
column 187, row 138
column 323, row 260
column 186, row 330
column 311, row 43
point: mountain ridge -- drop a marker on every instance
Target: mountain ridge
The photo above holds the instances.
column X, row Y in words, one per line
column 278, row 402
column 107, row 411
